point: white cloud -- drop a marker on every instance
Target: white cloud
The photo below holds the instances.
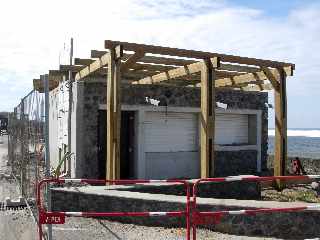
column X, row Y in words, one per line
column 35, row 31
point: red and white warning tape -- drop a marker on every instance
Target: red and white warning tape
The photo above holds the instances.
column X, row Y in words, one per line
column 121, row 214
column 75, row 180
column 268, row 178
column 262, row 210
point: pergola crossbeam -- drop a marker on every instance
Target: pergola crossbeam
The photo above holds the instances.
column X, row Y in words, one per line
column 195, row 54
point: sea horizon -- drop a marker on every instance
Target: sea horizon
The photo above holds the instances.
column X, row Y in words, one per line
column 299, row 132
column 302, row 142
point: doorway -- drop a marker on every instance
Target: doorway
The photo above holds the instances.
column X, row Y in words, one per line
column 126, row 144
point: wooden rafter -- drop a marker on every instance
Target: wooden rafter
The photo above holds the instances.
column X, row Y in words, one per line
column 54, row 78
column 131, row 60
column 140, row 61
column 174, row 73
column 82, row 61
column 195, row 68
column 94, row 66
column 274, row 77
column 73, row 68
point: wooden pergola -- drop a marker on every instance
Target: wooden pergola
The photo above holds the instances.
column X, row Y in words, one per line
column 131, row 63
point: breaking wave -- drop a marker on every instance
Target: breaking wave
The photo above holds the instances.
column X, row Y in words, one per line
column 313, row 133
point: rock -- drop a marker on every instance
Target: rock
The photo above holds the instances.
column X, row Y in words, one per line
column 315, row 185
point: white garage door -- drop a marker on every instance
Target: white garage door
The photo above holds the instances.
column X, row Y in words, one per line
column 231, row 129
column 171, row 132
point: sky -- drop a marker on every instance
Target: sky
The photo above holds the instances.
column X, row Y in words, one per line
column 34, row 37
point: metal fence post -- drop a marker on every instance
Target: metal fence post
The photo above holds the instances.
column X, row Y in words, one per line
column 47, row 153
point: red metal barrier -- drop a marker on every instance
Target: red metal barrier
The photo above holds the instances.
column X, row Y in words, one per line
column 215, row 217
column 59, row 217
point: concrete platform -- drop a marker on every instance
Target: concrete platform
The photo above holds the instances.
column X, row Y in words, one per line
column 121, row 198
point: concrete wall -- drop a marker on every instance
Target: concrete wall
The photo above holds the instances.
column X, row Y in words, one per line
column 53, row 127
column 172, row 165
column 93, row 95
column 58, row 122
column 76, row 131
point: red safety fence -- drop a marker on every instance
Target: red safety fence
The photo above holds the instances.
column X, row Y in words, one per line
column 190, row 213
column 199, row 217
column 46, row 217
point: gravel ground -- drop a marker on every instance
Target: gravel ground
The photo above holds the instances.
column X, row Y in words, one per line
column 14, row 224
column 86, row 228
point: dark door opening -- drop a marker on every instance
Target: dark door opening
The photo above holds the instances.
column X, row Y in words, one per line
column 126, row 144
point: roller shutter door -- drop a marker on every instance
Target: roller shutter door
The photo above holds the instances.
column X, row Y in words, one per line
column 231, row 129
column 171, row 132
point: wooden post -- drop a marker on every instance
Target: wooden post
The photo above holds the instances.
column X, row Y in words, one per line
column 113, row 114
column 207, row 116
column 280, row 149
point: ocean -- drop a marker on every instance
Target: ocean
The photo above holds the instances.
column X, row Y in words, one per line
column 301, row 142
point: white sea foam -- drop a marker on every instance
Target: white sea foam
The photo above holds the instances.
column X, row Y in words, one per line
column 298, row 133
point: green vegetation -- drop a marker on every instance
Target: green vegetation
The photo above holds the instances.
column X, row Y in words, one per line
column 57, row 171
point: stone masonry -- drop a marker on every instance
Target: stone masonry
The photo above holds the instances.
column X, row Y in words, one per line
column 227, row 163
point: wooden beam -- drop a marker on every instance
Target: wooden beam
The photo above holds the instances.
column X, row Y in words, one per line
column 98, row 53
column 171, row 74
column 195, row 54
column 83, row 61
column 248, row 83
column 261, row 87
column 131, row 60
column 110, row 120
column 274, row 77
column 94, row 66
column 74, row 68
column 280, row 149
column 58, row 73
column 238, row 68
column 224, row 74
column 244, row 78
column 166, row 61
column 151, row 67
column 38, row 84
column 149, row 59
column 156, row 61
column 195, row 68
column 113, row 114
column 207, row 118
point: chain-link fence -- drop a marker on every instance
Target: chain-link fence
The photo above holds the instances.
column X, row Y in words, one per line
column 26, row 142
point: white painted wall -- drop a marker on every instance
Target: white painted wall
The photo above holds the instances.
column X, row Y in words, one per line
column 58, row 121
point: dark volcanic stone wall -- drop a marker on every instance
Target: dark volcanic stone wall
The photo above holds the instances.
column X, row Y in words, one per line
column 229, row 163
column 94, row 93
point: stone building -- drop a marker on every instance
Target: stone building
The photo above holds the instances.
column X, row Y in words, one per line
column 159, row 130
